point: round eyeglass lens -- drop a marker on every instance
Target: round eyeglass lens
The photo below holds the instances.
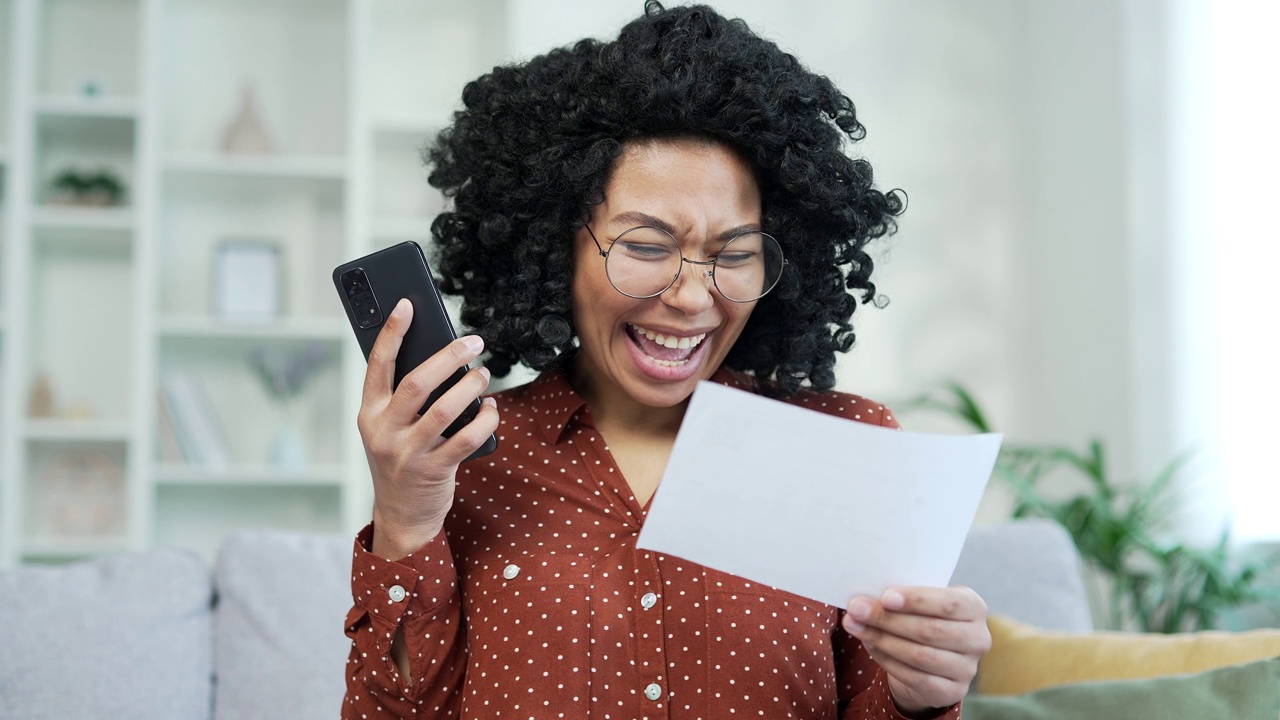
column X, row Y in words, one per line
column 643, row 262
column 748, row 266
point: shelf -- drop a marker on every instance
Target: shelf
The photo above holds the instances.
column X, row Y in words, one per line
column 72, row 217
column 58, row 430
column 114, row 301
column 295, row 329
column 283, row 167
column 121, row 108
column 249, row 475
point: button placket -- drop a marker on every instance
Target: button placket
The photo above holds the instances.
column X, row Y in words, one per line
column 651, row 636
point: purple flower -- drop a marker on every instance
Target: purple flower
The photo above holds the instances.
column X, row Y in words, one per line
column 284, row 372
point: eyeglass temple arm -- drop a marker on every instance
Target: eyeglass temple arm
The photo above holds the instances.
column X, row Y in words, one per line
column 601, row 250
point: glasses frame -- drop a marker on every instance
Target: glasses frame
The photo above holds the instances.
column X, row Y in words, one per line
column 712, row 262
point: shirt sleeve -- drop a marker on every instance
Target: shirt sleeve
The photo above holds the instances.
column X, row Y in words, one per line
column 863, row 686
column 419, row 595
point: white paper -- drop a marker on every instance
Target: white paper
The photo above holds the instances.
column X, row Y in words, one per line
column 816, row 505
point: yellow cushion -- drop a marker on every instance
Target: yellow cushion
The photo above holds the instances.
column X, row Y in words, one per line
column 1024, row 659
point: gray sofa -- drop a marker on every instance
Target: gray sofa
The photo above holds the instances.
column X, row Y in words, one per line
column 157, row 635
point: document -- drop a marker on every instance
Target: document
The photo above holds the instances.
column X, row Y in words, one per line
column 816, row 505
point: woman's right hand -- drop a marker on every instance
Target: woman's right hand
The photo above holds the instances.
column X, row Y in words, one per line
column 413, row 467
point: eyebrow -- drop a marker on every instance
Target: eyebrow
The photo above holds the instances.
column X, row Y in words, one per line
column 641, row 218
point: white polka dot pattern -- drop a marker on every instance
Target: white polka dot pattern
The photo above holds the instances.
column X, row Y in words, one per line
column 535, row 603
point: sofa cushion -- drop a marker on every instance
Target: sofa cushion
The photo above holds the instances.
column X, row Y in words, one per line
column 1240, row 692
column 280, row 648
column 1023, row 659
column 127, row 636
column 1028, row 570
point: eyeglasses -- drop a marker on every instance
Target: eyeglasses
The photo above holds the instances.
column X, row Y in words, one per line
column 644, row 262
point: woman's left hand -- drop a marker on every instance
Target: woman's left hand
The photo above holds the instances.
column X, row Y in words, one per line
column 928, row 640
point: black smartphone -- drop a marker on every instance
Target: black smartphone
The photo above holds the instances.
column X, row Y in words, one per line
column 371, row 286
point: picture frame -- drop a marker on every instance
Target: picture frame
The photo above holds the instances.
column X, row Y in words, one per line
column 247, row 279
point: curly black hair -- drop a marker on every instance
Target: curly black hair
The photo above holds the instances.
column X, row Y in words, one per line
column 531, row 151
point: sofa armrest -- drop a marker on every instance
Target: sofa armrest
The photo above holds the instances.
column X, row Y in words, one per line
column 1028, row 570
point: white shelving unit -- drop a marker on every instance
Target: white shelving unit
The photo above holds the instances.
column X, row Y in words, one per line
column 101, row 305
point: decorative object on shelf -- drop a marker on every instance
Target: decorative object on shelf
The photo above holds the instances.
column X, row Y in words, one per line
column 246, row 279
column 94, row 188
column 284, row 373
column 40, row 403
column 79, row 493
column 247, row 134
column 91, row 86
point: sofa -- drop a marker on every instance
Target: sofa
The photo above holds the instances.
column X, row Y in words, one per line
column 159, row 634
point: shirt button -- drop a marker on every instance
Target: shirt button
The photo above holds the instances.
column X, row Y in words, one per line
column 510, row 572
column 653, row 692
column 648, row 600
column 396, row 593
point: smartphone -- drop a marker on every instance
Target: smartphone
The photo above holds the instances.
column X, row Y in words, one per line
column 371, row 286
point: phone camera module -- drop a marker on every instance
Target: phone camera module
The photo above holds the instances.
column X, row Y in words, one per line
column 363, row 305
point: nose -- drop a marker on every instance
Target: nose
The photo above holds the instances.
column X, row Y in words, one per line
column 692, row 291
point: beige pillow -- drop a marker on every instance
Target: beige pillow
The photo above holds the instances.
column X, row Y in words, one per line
column 1024, row 659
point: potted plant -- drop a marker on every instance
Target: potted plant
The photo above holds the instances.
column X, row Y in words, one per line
column 1156, row 582
column 100, row 188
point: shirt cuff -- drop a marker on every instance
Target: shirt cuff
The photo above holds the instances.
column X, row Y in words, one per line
column 386, row 590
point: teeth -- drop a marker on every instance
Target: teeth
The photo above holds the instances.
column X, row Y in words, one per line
column 669, row 363
column 672, row 341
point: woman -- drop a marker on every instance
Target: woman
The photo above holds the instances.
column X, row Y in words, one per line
column 629, row 217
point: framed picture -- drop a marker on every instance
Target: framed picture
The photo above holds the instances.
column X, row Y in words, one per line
column 247, row 282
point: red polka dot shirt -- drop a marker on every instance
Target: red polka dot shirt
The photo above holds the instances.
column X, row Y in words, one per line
column 535, row 602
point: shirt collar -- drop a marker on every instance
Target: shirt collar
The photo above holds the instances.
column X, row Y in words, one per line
column 556, row 404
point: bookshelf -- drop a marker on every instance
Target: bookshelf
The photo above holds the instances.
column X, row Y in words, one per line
column 102, row 304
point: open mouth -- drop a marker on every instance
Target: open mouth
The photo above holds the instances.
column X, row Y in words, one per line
column 665, row 350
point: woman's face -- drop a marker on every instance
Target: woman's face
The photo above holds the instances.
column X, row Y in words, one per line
column 705, row 193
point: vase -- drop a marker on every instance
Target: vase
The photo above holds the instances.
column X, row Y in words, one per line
column 247, row 134
column 288, row 451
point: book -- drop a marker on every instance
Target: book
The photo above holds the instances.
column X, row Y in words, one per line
column 168, row 446
column 195, row 423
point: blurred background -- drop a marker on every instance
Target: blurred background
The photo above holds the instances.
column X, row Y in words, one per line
column 1085, row 252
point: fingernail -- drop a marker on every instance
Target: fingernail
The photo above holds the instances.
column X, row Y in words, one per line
column 490, row 402
column 473, row 343
column 853, row 626
column 401, row 308
column 859, row 610
column 893, row 600
column 483, row 371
